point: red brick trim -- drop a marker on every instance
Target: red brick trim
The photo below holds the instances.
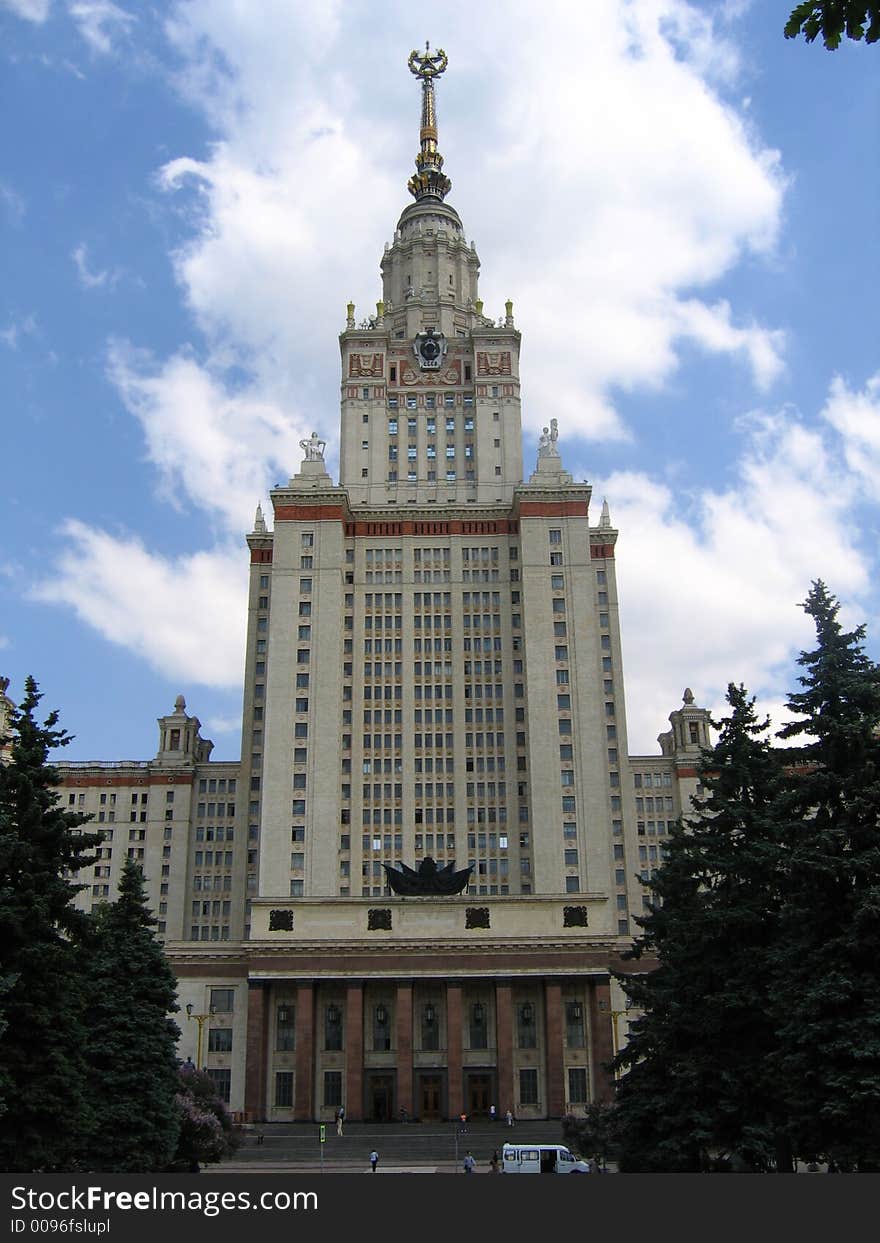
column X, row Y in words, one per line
column 261, row 556
column 150, row 779
column 553, row 509
column 600, row 551
column 309, row 513
column 429, row 527
column 601, row 1041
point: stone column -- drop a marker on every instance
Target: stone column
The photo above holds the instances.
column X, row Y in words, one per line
column 554, row 1050
column 404, row 1009
column 257, row 1052
column 504, row 1038
column 353, row 1099
column 601, row 1040
column 454, row 1088
column 304, row 1110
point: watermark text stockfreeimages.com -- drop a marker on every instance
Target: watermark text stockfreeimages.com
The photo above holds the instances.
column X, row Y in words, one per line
column 96, row 1199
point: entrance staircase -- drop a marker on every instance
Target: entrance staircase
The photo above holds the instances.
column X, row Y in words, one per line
column 415, row 1146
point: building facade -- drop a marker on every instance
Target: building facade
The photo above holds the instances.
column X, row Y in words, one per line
column 433, row 670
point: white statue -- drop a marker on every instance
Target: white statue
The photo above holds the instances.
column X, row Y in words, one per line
column 313, row 448
column 547, row 440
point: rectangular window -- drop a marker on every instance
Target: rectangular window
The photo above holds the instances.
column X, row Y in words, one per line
column 285, row 1032
column 222, row 1000
column 220, row 1040
column 577, row 1085
column 528, row 1086
column 284, row 1089
column 332, row 1088
column 222, row 1079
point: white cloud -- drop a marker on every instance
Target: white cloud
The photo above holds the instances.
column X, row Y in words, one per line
column 606, row 270
column 13, row 202
column 710, row 583
column 856, row 416
column 4, row 641
column 100, row 22
column 31, row 10
column 12, row 334
column 223, row 724
column 185, row 616
column 212, row 446
column 89, row 279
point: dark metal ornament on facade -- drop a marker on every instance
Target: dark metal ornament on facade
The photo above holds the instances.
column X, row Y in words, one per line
column 426, row 880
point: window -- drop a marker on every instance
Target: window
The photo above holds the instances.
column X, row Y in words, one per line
column 528, row 1087
column 526, row 1029
column 220, row 1040
column 332, row 1087
column 222, row 1079
column 283, row 1089
column 222, row 1000
column 381, row 1029
column 555, row 537
column 430, row 1027
column 577, row 1085
column 477, row 1027
column 333, row 1032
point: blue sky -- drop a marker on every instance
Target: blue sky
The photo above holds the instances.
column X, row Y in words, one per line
column 681, row 203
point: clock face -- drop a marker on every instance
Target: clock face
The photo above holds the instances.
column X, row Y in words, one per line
column 429, row 348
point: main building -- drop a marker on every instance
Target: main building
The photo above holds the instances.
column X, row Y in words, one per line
column 433, row 671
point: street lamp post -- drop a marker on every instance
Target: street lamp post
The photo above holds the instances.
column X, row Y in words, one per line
column 201, row 1019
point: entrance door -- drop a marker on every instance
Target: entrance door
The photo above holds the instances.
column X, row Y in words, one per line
column 479, row 1092
column 381, row 1098
column 430, row 1097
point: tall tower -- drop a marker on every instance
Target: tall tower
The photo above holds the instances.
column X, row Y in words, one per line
column 430, row 385
column 433, row 682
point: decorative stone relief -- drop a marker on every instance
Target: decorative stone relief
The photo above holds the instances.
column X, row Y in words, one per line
column 476, row 917
column 574, row 917
column 493, row 362
column 379, row 920
column 281, row 921
column 371, row 365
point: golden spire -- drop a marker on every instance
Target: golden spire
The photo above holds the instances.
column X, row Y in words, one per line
column 429, row 179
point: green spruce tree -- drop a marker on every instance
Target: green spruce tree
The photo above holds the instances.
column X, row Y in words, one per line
column 826, row 995
column 695, row 1083
column 132, row 1041
column 42, row 1068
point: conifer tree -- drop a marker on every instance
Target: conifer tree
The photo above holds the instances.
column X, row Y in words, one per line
column 42, row 1069
column 133, row 1077
column 695, row 1082
column 826, row 994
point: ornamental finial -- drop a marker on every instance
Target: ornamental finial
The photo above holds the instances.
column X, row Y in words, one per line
column 429, row 179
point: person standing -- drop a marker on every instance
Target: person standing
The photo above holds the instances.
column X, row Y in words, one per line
column 493, row 1113
column 469, row 1163
column 340, row 1118
column 494, row 1165
column 374, row 1159
column 508, row 1118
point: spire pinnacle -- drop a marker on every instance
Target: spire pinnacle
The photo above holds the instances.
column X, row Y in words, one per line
column 429, row 180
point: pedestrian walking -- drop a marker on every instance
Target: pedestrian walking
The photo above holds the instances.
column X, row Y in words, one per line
column 508, row 1118
column 494, row 1165
column 469, row 1163
column 492, row 1113
column 340, row 1118
column 462, row 1124
column 374, row 1159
